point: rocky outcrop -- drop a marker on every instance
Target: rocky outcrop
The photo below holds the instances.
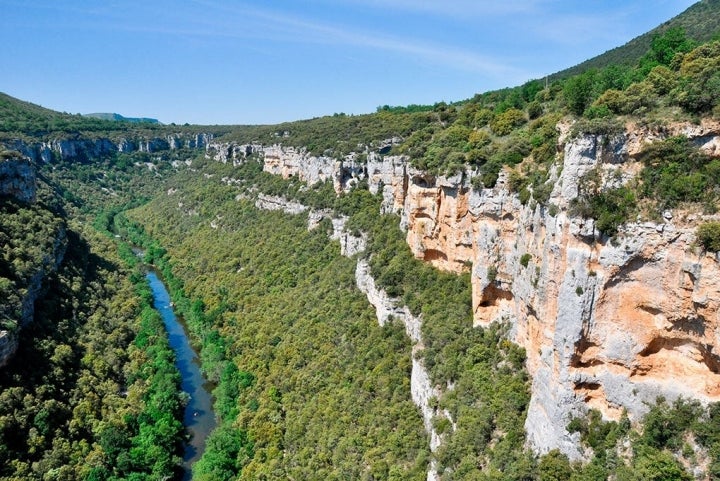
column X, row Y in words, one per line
column 290, row 162
column 606, row 324
column 271, row 202
column 36, row 284
column 8, row 346
column 231, row 152
column 83, row 149
column 17, row 178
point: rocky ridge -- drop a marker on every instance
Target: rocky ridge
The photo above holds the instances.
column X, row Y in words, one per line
column 81, row 149
column 606, row 324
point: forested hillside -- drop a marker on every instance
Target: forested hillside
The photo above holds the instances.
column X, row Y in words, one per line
column 700, row 22
column 91, row 392
column 317, row 375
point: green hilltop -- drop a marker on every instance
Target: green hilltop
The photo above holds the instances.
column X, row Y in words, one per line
column 120, row 118
column 701, row 23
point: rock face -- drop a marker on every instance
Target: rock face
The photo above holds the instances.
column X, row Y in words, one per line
column 291, row 162
column 8, row 346
column 34, row 291
column 421, row 388
column 606, row 324
column 17, row 179
column 270, row 202
column 82, row 149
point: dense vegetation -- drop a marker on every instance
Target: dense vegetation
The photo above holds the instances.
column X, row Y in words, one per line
column 31, row 238
column 490, row 393
column 700, row 22
column 92, row 392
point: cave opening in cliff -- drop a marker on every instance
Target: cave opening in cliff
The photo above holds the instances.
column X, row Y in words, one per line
column 433, row 255
column 492, row 295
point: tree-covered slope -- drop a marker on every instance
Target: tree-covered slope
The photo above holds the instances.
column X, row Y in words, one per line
column 701, row 22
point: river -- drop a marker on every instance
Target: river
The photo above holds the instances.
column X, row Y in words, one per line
column 199, row 417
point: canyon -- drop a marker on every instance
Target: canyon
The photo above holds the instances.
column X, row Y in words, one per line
column 607, row 323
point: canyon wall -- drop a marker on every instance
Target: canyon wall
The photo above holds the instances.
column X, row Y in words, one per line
column 607, row 324
column 31, row 292
column 17, row 178
column 18, row 182
column 83, row 149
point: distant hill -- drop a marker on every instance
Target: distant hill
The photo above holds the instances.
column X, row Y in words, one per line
column 701, row 23
column 120, row 118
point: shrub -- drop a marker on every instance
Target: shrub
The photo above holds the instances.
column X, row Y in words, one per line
column 662, row 79
column 613, row 99
column 676, row 171
column 525, row 259
column 505, row 122
column 554, row 466
column 699, row 84
column 598, row 126
column 478, row 139
column 492, row 273
column 483, row 117
column 610, row 208
column 708, row 235
column 638, row 96
column 597, row 112
column 534, row 109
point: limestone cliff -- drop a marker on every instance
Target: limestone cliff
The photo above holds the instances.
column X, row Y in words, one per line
column 17, row 177
column 29, row 295
column 78, row 148
column 607, row 324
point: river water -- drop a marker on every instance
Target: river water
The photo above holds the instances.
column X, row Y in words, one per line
column 199, row 417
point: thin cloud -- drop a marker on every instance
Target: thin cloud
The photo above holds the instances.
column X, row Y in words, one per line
column 287, row 27
column 453, row 8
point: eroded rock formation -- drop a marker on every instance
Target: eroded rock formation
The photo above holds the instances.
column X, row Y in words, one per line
column 83, row 149
column 17, row 178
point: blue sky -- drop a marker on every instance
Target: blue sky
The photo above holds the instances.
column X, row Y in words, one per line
column 251, row 62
